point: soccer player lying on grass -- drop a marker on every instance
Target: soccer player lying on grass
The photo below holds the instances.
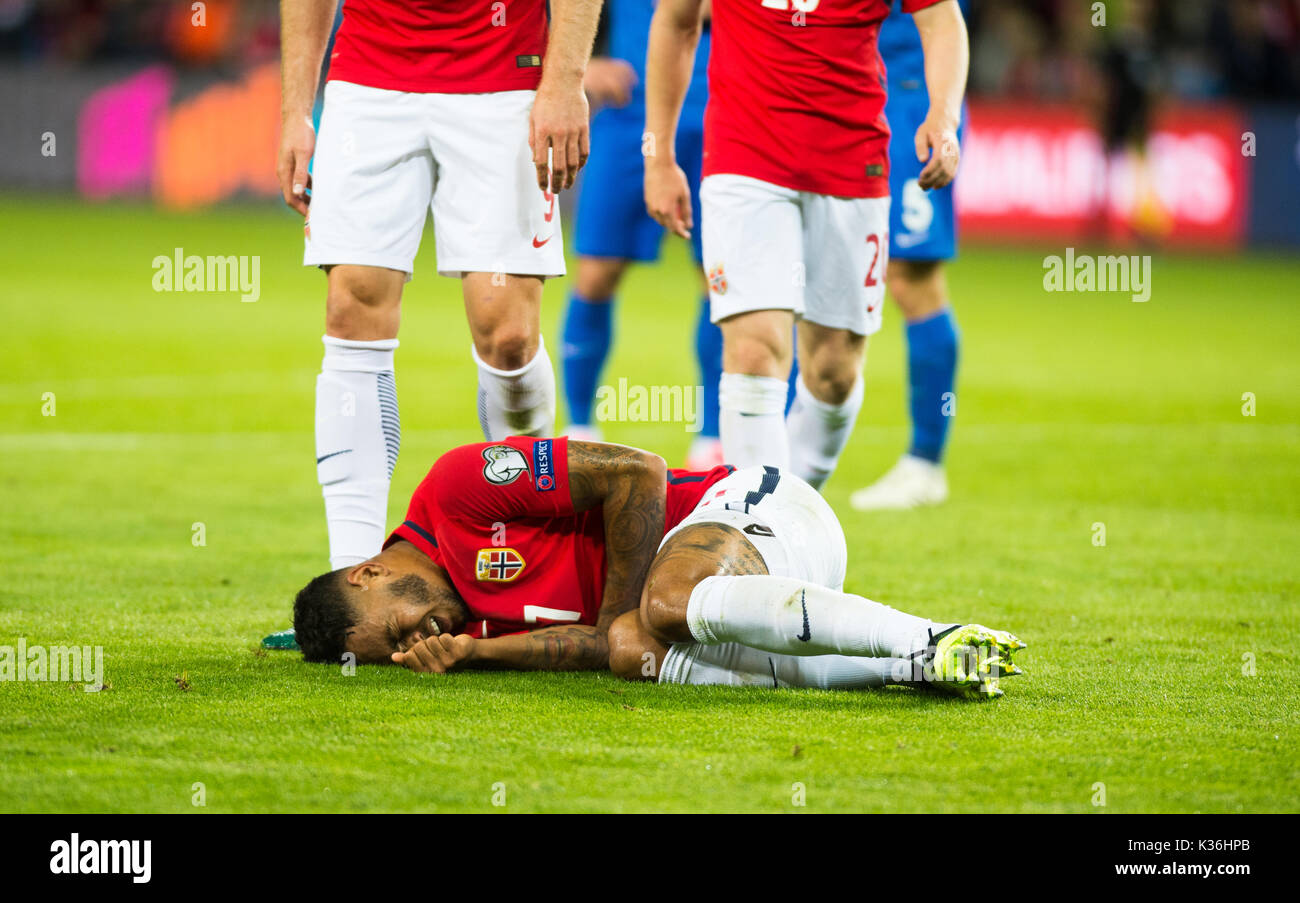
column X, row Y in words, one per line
column 556, row 554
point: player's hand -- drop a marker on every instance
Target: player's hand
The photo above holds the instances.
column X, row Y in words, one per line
column 936, row 142
column 668, row 196
column 438, row 654
column 609, row 81
column 297, row 144
column 560, row 122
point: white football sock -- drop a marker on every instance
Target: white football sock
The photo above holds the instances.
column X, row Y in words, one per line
column 796, row 617
column 358, row 435
column 517, row 402
column 751, row 413
column 819, row 431
column 734, row 665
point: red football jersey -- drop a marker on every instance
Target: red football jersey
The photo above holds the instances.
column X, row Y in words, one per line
column 441, row 46
column 498, row 517
column 797, row 94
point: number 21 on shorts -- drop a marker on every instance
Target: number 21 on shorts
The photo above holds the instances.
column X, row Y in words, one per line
column 877, row 251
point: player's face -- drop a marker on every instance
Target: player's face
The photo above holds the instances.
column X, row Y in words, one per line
column 397, row 610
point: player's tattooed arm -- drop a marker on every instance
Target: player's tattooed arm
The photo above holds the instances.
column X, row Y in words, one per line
column 630, row 486
column 568, row 647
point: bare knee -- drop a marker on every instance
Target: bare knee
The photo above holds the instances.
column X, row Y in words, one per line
column 917, row 287
column 507, row 346
column 598, row 277
column 830, row 361
column 504, row 317
column 363, row 303
column 831, row 382
column 758, row 344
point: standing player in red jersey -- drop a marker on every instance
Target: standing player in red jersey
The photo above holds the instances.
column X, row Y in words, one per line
column 468, row 110
column 795, row 198
column 557, row 554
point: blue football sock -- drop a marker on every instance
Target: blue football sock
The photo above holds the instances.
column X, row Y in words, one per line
column 793, row 382
column 708, row 352
column 932, row 370
column 587, row 334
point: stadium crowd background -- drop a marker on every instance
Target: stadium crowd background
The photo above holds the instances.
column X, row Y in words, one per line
column 1171, row 123
column 1195, row 49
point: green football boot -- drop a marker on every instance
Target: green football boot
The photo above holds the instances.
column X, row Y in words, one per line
column 969, row 660
column 281, row 639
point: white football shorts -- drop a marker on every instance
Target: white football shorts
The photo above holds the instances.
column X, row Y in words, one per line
column 386, row 159
column 773, row 248
column 786, row 520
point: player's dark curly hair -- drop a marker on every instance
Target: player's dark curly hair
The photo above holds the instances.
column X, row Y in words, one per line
column 322, row 618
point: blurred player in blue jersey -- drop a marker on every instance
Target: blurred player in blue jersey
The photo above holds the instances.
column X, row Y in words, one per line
column 614, row 229
column 922, row 235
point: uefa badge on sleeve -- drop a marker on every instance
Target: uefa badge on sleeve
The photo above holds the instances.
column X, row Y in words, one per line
column 503, row 464
column 543, row 466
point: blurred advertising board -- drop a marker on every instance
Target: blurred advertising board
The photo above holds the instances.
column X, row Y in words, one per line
column 1211, row 177
column 1041, row 173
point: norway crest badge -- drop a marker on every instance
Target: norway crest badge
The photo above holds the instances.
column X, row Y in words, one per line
column 498, row 565
column 717, row 280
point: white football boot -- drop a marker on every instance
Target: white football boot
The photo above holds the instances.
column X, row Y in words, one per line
column 910, row 483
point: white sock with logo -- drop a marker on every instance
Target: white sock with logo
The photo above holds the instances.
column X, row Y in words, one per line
column 795, row 617
column 517, row 402
column 734, row 665
column 752, row 420
column 358, row 436
column 819, row 431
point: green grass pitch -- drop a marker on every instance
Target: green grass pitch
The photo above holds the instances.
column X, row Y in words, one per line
column 1161, row 665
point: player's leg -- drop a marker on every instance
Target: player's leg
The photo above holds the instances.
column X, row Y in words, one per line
column 764, row 596
column 358, row 429
column 922, row 234
column 516, row 385
column 372, row 180
column 587, row 334
column 771, row 579
column 846, row 246
column 828, row 396
column 756, row 353
column 501, row 236
column 695, row 553
column 919, row 289
column 753, row 255
column 634, row 654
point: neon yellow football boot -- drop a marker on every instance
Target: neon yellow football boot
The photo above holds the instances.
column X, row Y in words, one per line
column 969, row 660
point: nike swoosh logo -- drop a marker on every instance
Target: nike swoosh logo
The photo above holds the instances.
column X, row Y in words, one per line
column 538, row 244
column 332, row 454
column 807, row 631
